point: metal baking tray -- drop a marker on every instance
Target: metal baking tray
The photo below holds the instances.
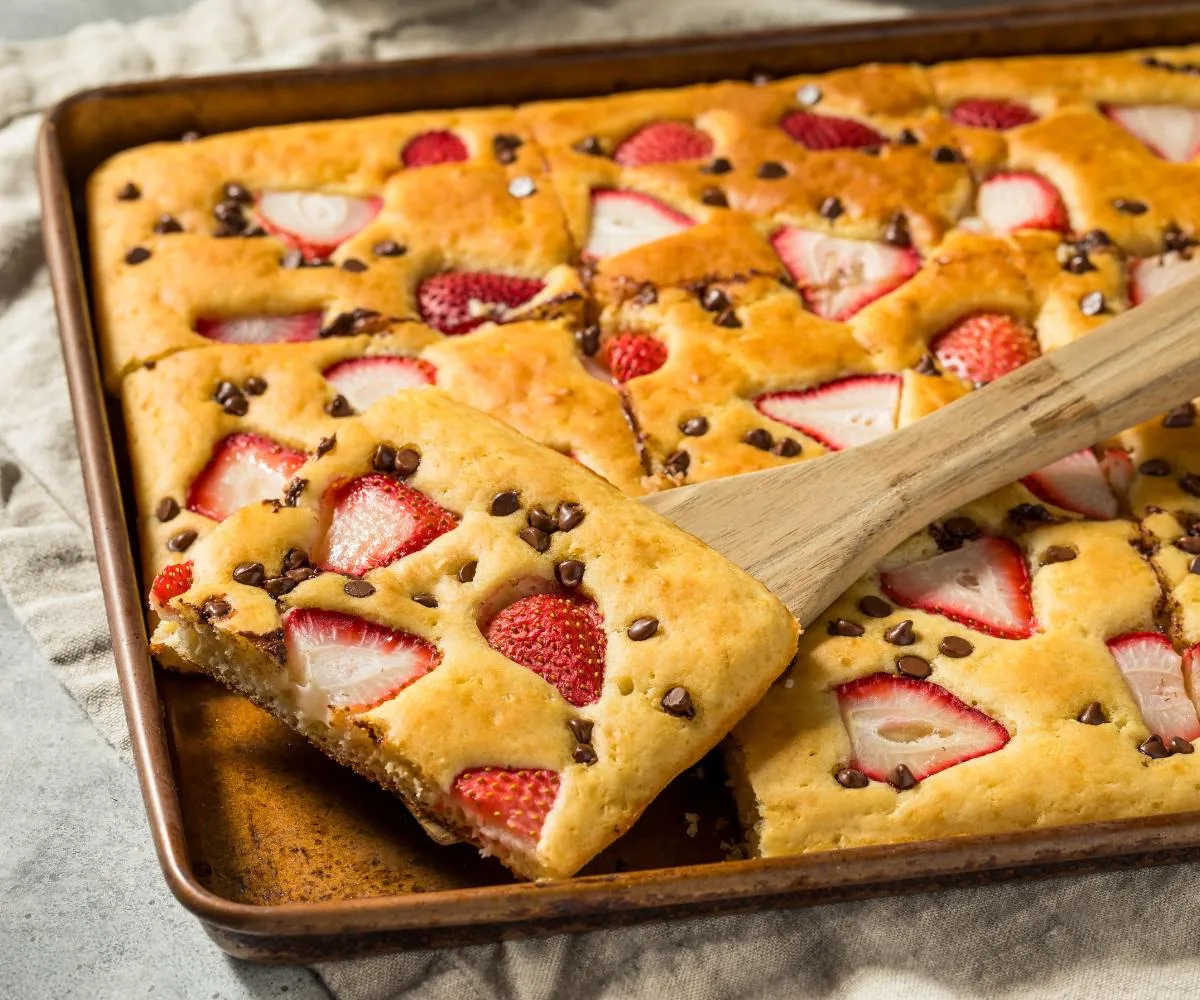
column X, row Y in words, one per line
column 285, row 856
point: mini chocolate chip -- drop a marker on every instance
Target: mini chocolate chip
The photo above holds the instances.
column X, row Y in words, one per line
column 292, row 260
column 230, row 213
column 851, row 777
column 182, row 541
column 1092, row 304
column 916, row 667
column 907, row 137
column 407, row 462
column 1154, row 747
column 277, row 586
column 945, row 154
column 1181, row 416
column 902, row 778
column 326, row 445
column 535, row 539
column 521, row 187
column 1176, row 239
column 130, row 192
column 505, row 146
column 718, row 166
column 353, row 265
column 588, row 339
column 874, row 607
column 678, row 702
column 539, row 519
column 677, row 463
column 1025, row 515
column 843, row 626
column 714, row 300
column 425, row 600
column 1058, row 554
column 294, row 559
column 695, row 426
column 584, row 753
column 236, row 192
column 466, row 572
column 506, row 503
column 292, row 491
column 901, row 634
column 383, row 458
column 715, row 197
column 166, row 509
column 831, row 208
column 581, row 729
column 358, row 588
column 1155, row 467
column 137, row 255
column 809, row 94
column 389, row 248
column 759, row 438
column 1079, row 263
column 254, row 386
column 1130, row 206
column 1092, row 715
column 236, row 405
column 728, row 319
column 897, row 233
column 1189, row 544
column 167, row 224
column 787, row 448
column 1190, row 483
column 771, row 170
column 956, row 646
column 589, row 145
column 250, row 574
column 569, row 572
column 1094, row 239
column 569, row 515
column 646, row 295
column 214, row 607
column 1179, row 745
column 642, row 628
column 339, row 406
column 927, row 366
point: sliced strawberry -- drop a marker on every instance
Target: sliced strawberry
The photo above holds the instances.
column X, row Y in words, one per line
column 431, row 148
column 1118, row 470
column 364, row 381
column 373, row 521
column 984, row 584
column 985, row 346
column 840, row 414
column 560, row 637
column 1019, row 199
column 837, row 276
column 1151, row 276
column 1191, row 674
column 261, row 329
column 356, row 664
column 898, row 722
column 506, row 802
column 314, row 223
column 1154, row 673
column 171, row 581
column 1000, row 115
column 458, row 301
column 630, row 354
column 244, row 469
column 815, row 131
column 663, row 142
column 1076, row 483
column 622, row 220
column 1170, row 131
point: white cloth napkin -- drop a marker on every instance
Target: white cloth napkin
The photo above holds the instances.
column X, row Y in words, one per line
column 1127, row 934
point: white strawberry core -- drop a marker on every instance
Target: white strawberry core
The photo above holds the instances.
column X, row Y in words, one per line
column 841, row 414
column 1008, row 202
column 359, row 674
column 1076, row 483
column 261, row 329
column 1171, row 131
column 1151, row 276
column 1154, row 673
column 323, row 219
column 359, row 527
column 246, row 479
column 369, row 380
column 622, row 220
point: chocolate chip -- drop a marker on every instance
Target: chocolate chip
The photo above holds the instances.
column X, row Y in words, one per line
column 466, row 572
column 728, row 319
column 850, row 777
column 718, row 166
column 257, row 230
column 677, row 463
column 505, row 146
column 759, row 438
column 584, row 753
column 897, row 233
column 581, row 729
column 843, row 626
column 1026, row 515
column 521, row 187
column 642, row 628
column 956, row 646
column 166, row 224
column 1130, row 206
column 236, row 192
column 407, row 462
column 292, row 491
column 961, row 526
column 1179, row 745
column 916, row 667
column 353, row 265
column 1095, row 239
column 389, row 248
column 1190, row 483
column 714, row 300
column 831, row 208
column 539, row 519
column 569, row 572
column 130, row 192
column 383, row 458
column 646, row 295
column 695, row 426
column 292, row 260
column 294, row 559
column 1155, row 467
column 569, row 515
column 809, row 94
column 715, row 197
column 1181, row 416
column 1176, row 239
column 1189, row 544
column 1058, row 554
column 589, row 145
column 927, row 366
column 535, row 539
column 166, row 509
column 215, row 607
column 771, row 170
column 901, row 634
column 907, row 137
column 1092, row 304
column 255, row 386
column 588, row 339
column 182, row 541
column 1079, row 263
column 902, row 778
column 230, row 213
column 277, row 586
column 506, row 503
column 339, row 406
column 250, row 574
column 137, row 255
column 678, row 702
column 874, row 607
column 358, row 588
column 787, row 448
column 425, row 600
column 1092, row 715
column 946, row 154
column 1154, row 747
column 236, row 405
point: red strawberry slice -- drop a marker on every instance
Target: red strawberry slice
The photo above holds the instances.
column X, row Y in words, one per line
column 244, row 469
column 171, row 581
column 292, row 329
column 622, row 220
column 506, row 803
column 1000, row 115
column 630, row 354
column 1154, row 673
column 373, row 521
column 459, row 301
column 1170, row 131
column 354, row 663
column 312, row 222
column 815, row 131
column 663, row 142
column 431, row 148
column 1151, row 276
column 1019, row 199
column 984, row 584
column 364, row 381
column 985, row 346
column 1118, row 470
column 837, row 276
column 840, row 414
column 560, row 637
column 898, row 721
column 1075, row 483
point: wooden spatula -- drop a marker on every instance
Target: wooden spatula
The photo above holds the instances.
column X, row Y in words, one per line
column 810, row 529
